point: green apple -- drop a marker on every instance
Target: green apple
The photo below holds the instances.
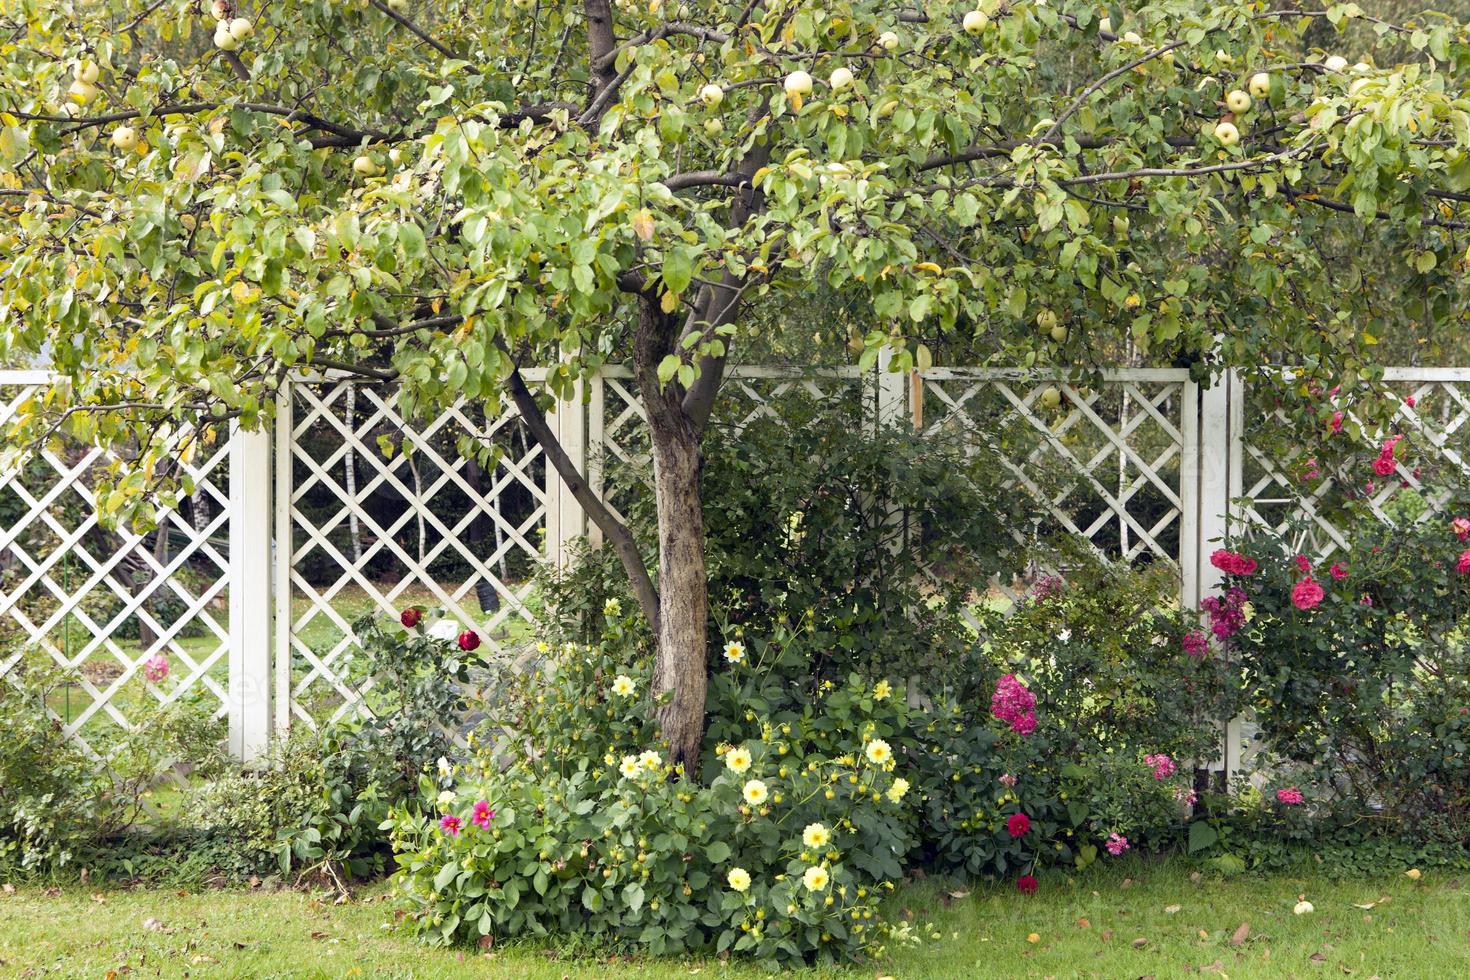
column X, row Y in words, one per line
column 1335, row 63
column 1260, row 85
column 1051, row 397
column 888, row 41
column 712, row 95
column 86, row 71
column 82, row 93
column 364, row 165
column 1059, row 334
column 1238, row 102
column 976, row 21
column 1227, row 134
column 240, row 28
column 841, row 79
column 798, row 83
column 1046, row 320
column 125, row 138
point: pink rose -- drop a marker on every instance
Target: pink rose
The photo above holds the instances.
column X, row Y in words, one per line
column 1303, row 564
column 1338, row 571
column 1291, row 796
column 1336, row 424
column 1463, row 565
column 1461, row 527
column 1306, row 594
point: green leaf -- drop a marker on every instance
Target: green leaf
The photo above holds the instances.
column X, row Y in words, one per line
column 633, row 895
column 1202, row 836
column 678, row 270
column 718, row 852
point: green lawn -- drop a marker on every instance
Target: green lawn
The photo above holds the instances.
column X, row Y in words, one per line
column 1159, row 922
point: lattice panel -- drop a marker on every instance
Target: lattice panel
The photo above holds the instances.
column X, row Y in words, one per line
column 1103, row 461
column 100, row 602
column 1280, row 490
column 619, row 451
column 370, row 532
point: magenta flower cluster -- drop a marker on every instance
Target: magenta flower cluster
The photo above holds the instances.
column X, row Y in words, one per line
column 1196, row 644
column 1290, row 796
column 1227, row 613
column 1116, row 844
column 1014, row 704
column 1233, row 564
column 1161, row 764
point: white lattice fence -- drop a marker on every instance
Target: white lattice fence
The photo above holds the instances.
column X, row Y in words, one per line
column 99, row 602
column 361, row 531
column 1279, row 483
column 1109, row 458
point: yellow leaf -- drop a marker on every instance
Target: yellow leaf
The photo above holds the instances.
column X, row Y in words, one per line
column 668, row 302
column 1033, row 938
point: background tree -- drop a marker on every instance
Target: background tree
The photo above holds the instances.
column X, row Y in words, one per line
column 200, row 199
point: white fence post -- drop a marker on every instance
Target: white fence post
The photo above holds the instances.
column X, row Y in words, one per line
column 250, row 594
column 1220, row 414
column 285, row 489
column 565, row 521
column 889, row 391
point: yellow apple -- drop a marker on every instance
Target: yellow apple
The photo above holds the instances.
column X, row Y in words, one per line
column 86, row 71
column 841, row 79
column 1260, row 85
column 712, row 95
column 240, row 28
column 365, row 165
column 125, row 138
column 888, row 41
column 82, row 93
column 1335, row 63
column 976, row 21
column 798, row 83
column 1227, row 134
column 1238, row 102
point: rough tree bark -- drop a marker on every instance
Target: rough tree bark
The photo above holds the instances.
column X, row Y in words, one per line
column 680, row 668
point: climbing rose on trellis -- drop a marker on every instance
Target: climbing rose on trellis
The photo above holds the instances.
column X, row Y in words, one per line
column 155, row 668
column 1461, row 527
column 1227, row 615
column 1195, row 643
column 1161, row 764
column 1014, row 704
column 1233, row 564
column 1306, row 594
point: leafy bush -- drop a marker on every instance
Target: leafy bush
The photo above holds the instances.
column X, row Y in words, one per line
column 58, row 805
column 782, row 851
column 1357, row 668
column 1120, row 710
column 871, row 540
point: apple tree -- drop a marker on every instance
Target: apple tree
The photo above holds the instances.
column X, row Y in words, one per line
column 200, row 198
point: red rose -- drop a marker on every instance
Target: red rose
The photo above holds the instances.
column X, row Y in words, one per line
column 1026, row 885
column 469, row 640
column 1018, row 824
column 410, row 617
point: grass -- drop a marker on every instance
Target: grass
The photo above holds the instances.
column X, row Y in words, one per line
column 1159, row 921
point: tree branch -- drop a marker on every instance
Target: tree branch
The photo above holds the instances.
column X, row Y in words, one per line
column 414, row 29
column 616, row 531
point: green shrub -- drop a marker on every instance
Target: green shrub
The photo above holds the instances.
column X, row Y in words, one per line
column 870, row 539
column 1358, row 671
column 1101, row 655
column 60, row 806
column 594, row 833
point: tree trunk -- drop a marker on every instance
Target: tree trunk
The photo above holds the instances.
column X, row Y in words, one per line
column 683, row 586
column 680, row 668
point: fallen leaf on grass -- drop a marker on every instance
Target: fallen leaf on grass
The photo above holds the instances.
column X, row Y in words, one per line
column 1139, row 943
column 1033, row 938
column 1215, row 967
column 1171, row 909
column 319, row 936
column 1317, row 958
column 152, row 924
column 8, row 888
column 1082, row 923
column 99, row 898
column 959, row 894
column 1241, row 934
